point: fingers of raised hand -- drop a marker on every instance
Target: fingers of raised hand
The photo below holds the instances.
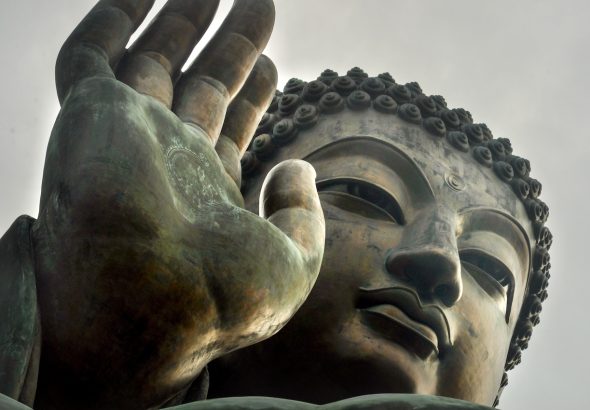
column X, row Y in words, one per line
column 98, row 42
column 155, row 59
column 205, row 90
column 244, row 114
column 203, row 93
column 289, row 200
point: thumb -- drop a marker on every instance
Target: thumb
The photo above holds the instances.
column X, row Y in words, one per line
column 290, row 201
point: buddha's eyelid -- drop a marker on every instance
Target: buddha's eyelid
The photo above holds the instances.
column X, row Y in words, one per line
column 502, row 224
column 398, row 214
column 480, row 252
column 479, row 274
column 393, row 157
column 499, row 219
column 344, row 180
column 496, row 246
column 511, row 274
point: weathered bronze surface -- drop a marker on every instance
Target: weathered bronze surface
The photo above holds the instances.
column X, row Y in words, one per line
column 148, row 260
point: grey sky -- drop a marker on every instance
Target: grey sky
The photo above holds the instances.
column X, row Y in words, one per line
column 522, row 67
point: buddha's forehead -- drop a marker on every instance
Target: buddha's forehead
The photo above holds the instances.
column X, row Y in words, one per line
column 372, row 145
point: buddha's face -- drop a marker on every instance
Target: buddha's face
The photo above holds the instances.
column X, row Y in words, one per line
column 425, row 267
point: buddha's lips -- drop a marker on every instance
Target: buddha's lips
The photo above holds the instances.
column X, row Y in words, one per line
column 403, row 306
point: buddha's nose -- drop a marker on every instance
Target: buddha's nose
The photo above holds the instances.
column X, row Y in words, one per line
column 427, row 258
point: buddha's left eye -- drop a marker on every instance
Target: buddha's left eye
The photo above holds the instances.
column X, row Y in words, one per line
column 364, row 198
column 492, row 275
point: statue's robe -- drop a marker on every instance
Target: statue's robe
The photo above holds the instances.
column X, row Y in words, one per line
column 20, row 328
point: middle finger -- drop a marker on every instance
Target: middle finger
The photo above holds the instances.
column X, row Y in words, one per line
column 155, row 59
column 205, row 90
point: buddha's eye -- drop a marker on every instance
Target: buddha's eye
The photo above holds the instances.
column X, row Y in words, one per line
column 492, row 275
column 363, row 198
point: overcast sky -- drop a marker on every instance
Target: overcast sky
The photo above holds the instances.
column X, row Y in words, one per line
column 520, row 66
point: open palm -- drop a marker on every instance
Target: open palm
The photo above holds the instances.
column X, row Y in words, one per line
column 149, row 267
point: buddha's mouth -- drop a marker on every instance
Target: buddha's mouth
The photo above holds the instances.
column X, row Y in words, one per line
column 397, row 314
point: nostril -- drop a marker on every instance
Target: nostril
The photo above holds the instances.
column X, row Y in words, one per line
column 397, row 266
column 431, row 273
column 446, row 294
column 407, row 273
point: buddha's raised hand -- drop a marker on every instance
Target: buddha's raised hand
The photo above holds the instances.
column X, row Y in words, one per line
column 148, row 266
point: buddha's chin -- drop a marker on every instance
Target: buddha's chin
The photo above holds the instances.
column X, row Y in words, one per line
column 367, row 362
column 324, row 362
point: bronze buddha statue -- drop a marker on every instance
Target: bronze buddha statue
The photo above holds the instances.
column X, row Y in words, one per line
column 424, row 211
column 148, row 264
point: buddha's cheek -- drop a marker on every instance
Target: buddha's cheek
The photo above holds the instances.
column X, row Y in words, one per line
column 328, row 324
column 472, row 368
column 345, row 268
column 354, row 257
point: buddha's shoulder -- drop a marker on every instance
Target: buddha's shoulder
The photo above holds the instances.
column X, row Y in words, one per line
column 20, row 336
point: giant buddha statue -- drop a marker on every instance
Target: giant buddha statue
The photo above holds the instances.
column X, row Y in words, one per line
column 205, row 242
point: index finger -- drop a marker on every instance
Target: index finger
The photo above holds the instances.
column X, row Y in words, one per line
column 98, row 42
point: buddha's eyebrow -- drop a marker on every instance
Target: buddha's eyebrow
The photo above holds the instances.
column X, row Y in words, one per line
column 417, row 185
